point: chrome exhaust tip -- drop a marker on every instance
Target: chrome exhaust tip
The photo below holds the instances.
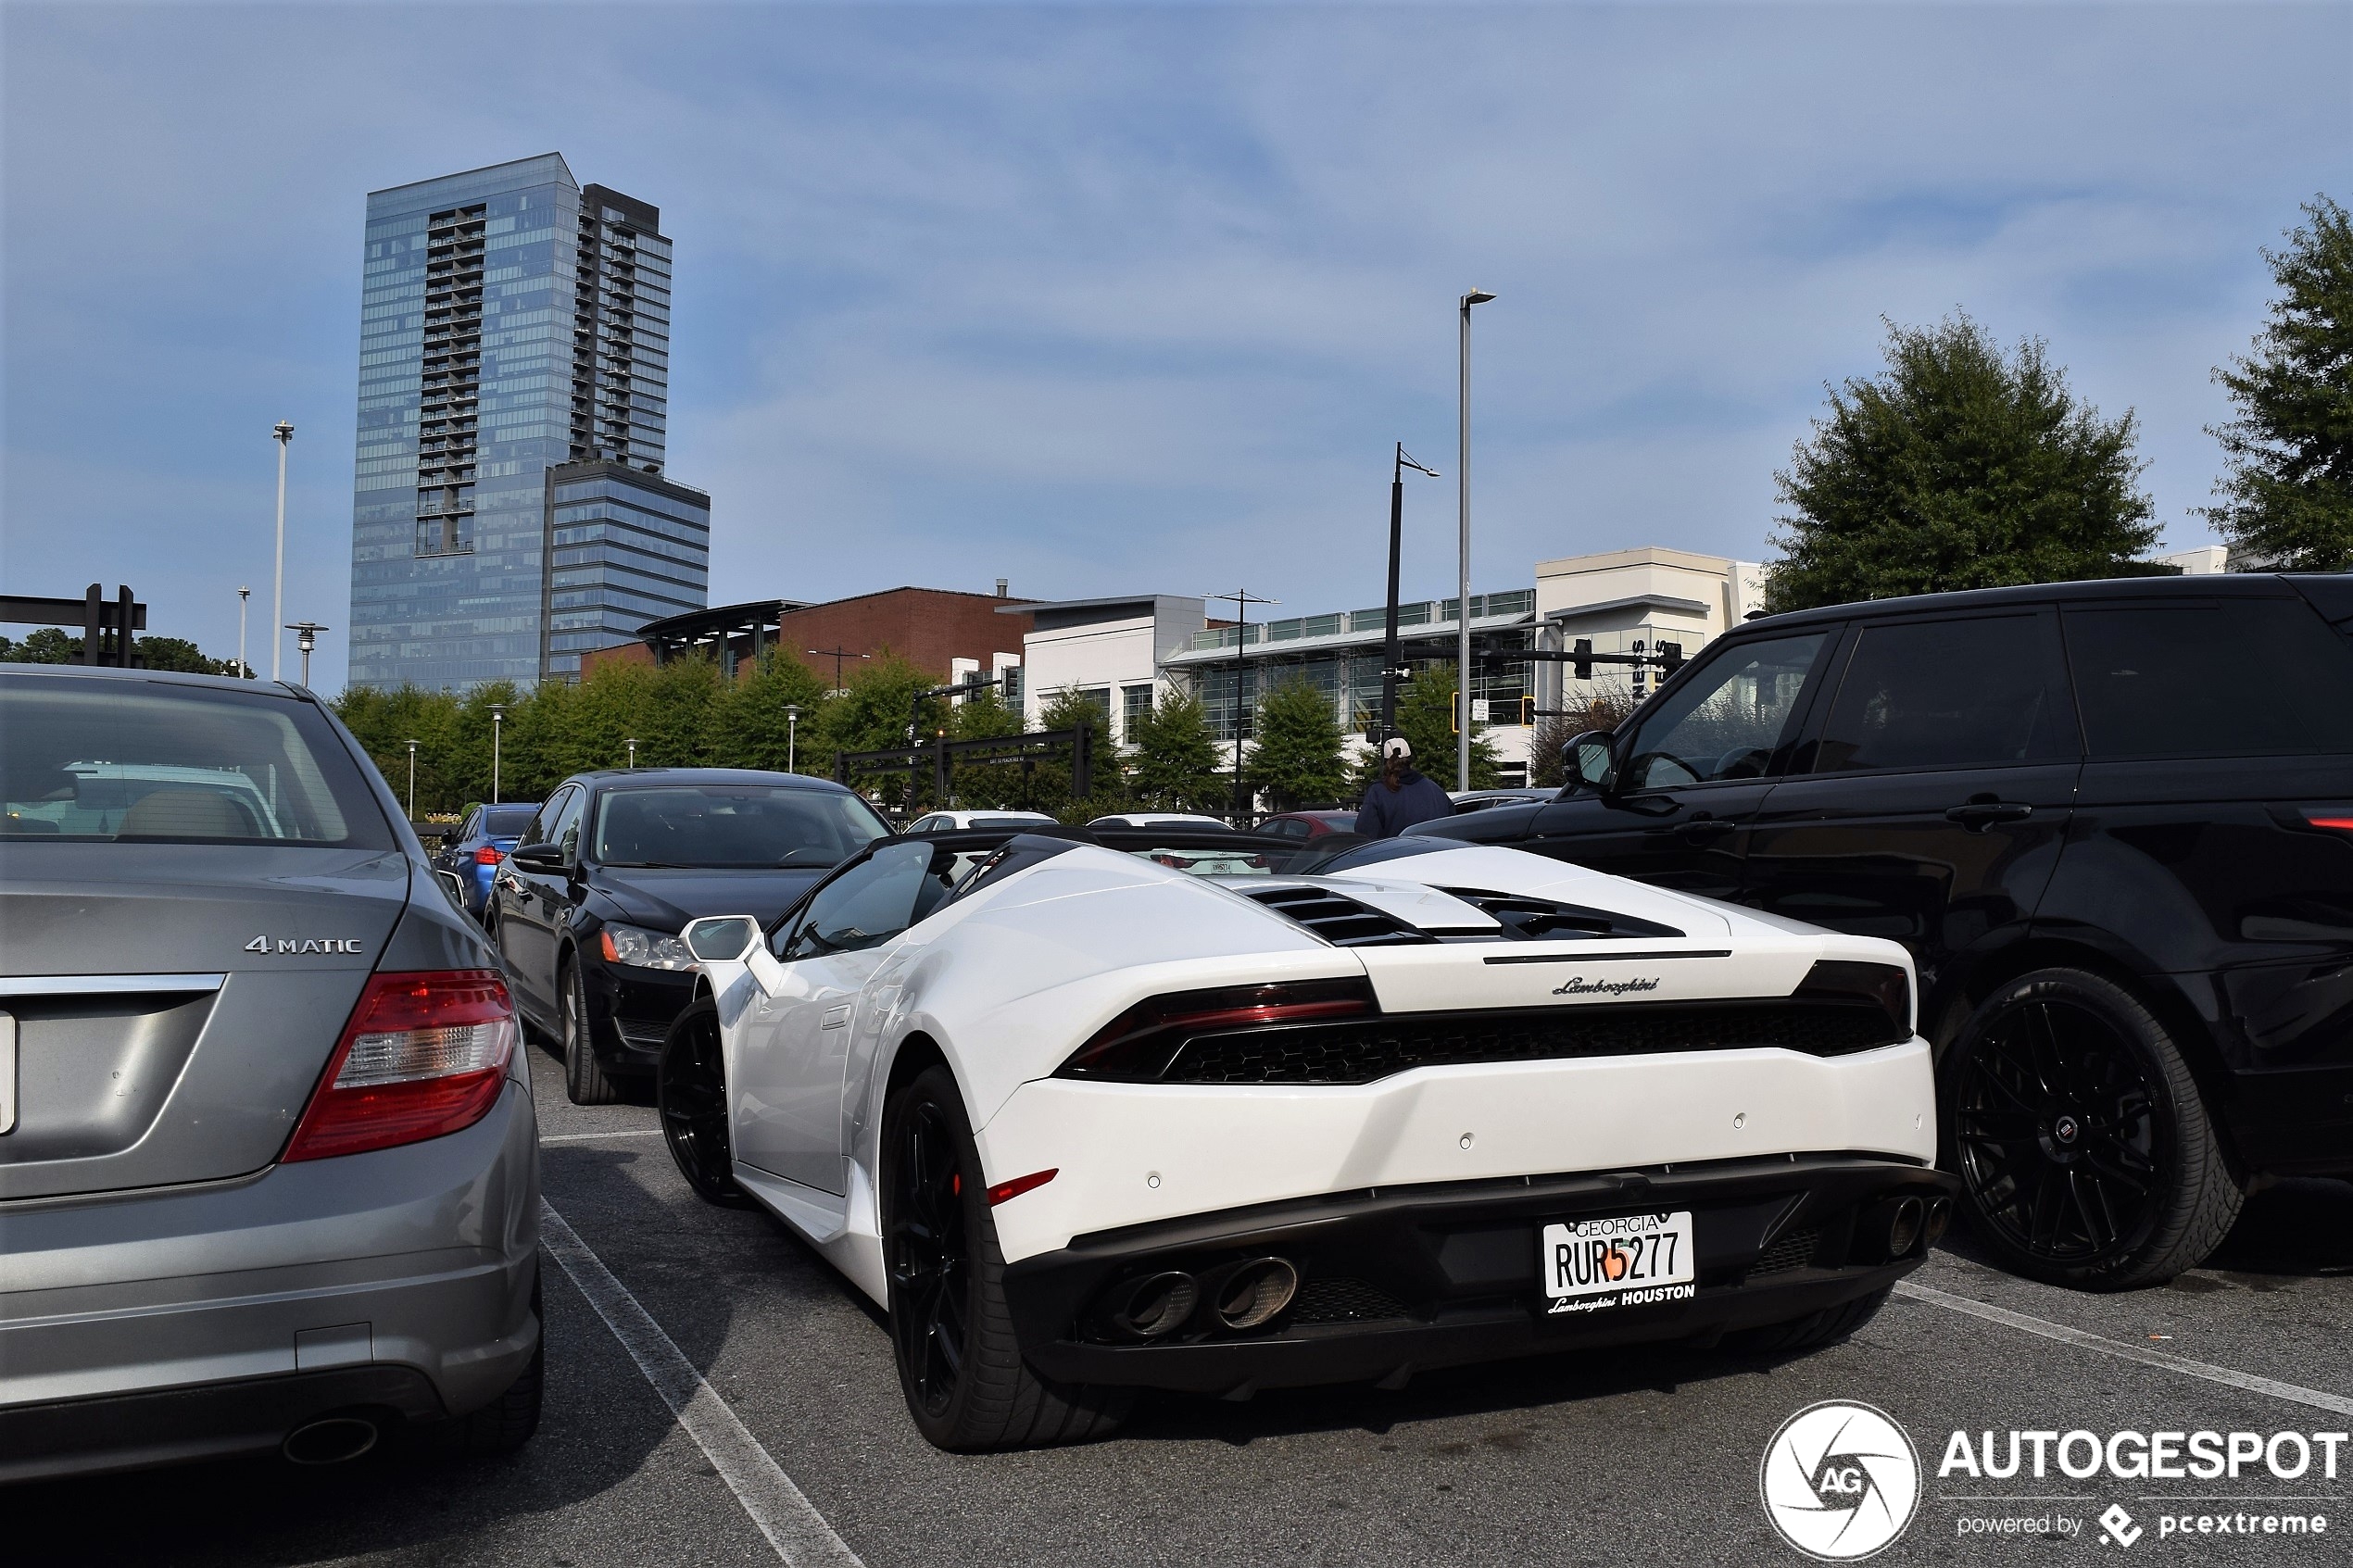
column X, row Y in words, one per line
column 1906, row 1217
column 333, row 1439
column 1255, row 1292
column 1156, row 1305
column 1940, row 1220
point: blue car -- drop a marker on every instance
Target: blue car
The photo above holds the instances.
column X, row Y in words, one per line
column 475, row 848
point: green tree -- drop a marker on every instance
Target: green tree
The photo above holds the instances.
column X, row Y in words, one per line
column 983, row 781
column 1956, row 467
column 384, row 722
column 54, row 645
column 1425, row 718
column 1297, row 760
column 873, row 715
column 751, row 728
column 1050, row 786
column 2287, row 502
column 1175, row 765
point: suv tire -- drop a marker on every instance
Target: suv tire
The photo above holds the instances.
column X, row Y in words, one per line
column 2086, row 1155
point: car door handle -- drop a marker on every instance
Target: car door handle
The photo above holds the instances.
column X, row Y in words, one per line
column 1979, row 815
column 835, row 1017
column 1703, row 828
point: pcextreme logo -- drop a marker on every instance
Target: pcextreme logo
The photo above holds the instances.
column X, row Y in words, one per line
column 1839, row 1481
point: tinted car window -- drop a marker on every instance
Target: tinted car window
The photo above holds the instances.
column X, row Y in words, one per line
column 1948, row 694
column 1726, row 721
column 2241, row 678
column 504, row 821
column 870, row 903
column 731, row 825
column 99, row 759
column 563, row 828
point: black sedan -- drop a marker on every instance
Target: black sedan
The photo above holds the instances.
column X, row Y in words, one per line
column 587, row 910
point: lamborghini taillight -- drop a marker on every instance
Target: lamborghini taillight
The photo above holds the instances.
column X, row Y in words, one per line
column 1139, row 1044
column 423, row 1055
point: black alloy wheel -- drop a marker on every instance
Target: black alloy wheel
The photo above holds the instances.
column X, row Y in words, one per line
column 952, row 1332
column 2085, row 1151
column 690, row 1092
column 930, row 1282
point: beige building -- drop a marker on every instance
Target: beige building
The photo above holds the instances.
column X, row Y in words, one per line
column 1631, row 601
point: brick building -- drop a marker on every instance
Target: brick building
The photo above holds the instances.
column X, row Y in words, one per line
column 942, row 631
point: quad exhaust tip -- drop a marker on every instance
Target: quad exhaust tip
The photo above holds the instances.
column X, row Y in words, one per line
column 1255, row 1292
column 333, row 1439
column 1907, row 1217
column 1157, row 1305
column 1940, row 1218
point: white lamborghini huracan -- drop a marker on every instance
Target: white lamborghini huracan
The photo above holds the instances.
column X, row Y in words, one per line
column 1085, row 1119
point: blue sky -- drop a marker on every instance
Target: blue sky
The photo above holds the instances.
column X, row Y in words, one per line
column 1103, row 298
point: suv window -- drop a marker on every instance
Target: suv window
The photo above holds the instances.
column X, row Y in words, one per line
column 2237, row 678
column 1726, row 720
column 869, row 904
column 1948, row 694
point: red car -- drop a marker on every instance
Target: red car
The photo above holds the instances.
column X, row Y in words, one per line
column 1299, row 827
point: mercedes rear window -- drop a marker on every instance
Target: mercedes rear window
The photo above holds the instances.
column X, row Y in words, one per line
column 156, row 761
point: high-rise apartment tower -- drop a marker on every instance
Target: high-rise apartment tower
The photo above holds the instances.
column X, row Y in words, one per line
column 509, row 508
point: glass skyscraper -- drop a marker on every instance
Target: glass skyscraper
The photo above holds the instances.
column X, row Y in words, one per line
column 510, row 508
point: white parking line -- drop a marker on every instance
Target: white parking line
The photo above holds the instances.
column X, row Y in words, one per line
column 591, row 1137
column 2293, row 1393
column 796, row 1529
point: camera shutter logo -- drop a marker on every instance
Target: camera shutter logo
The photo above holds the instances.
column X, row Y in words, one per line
column 1839, row 1481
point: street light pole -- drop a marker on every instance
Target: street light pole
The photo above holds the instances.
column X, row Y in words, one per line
column 1391, row 673
column 1243, row 598
column 285, row 434
column 244, row 670
column 497, row 733
column 792, row 736
column 305, row 638
column 633, row 754
column 412, row 781
column 1461, row 604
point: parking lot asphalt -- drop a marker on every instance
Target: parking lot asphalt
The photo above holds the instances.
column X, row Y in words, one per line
column 1615, row 1458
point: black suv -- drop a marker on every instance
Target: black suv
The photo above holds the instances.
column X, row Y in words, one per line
column 2113, row 821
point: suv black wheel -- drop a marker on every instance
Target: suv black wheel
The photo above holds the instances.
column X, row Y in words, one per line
column 585, row 1080
column 951, row 1332
column 690, row 1090
column 2086, row 1156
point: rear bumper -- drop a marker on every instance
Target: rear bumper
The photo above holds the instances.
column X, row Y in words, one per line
column 407, row 1271
column 1396, row 1281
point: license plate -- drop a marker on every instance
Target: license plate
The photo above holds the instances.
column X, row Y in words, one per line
column 1627, row 1261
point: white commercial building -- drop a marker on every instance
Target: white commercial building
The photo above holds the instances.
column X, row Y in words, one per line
column 1113, row 651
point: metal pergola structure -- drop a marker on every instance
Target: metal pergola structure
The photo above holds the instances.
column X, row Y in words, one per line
column 909, row 760
column 107, row 625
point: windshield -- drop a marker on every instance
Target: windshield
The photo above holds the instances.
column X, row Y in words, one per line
column 160, row 762
column 731, row 825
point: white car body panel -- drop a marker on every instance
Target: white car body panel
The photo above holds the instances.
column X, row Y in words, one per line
column 1011, row 979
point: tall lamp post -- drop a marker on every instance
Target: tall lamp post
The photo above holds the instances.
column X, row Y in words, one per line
column 244, row 670
column 633, row 754
column 792, row 736
column 412, row 781
column 305, row 638
column 1391, row 671
column 1462, row 605
column 285, row 434
column 497, row 732
column 1243, row 598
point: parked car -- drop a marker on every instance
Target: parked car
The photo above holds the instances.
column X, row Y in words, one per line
column 1082, row 1123
column 1302, row 826
column 268, row 1161
column 1157, row 819
column 473, row 849
column 586, row 909
column 947, row 822
column 2113, row 821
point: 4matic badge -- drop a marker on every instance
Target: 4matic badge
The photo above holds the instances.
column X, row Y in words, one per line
column 266, row 944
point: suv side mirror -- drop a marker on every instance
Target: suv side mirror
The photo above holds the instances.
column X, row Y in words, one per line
column 722, row 938
column 539, row 857
column 1588, row 761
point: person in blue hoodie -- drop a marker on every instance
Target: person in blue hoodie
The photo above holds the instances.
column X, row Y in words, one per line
column 1402, row 796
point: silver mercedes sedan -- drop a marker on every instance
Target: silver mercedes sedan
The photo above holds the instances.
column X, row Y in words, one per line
column 269, row 1173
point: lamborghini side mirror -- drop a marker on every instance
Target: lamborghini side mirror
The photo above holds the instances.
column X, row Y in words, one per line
column 722, row 938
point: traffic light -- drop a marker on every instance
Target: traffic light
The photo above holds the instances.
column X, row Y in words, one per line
column 1454, row 713
column 1583, row 663
column 1670, row 658
column 1527, row 713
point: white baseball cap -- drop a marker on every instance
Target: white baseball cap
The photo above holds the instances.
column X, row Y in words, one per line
column 1395, row 747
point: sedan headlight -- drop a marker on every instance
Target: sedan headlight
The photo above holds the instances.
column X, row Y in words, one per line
column 644, row 949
